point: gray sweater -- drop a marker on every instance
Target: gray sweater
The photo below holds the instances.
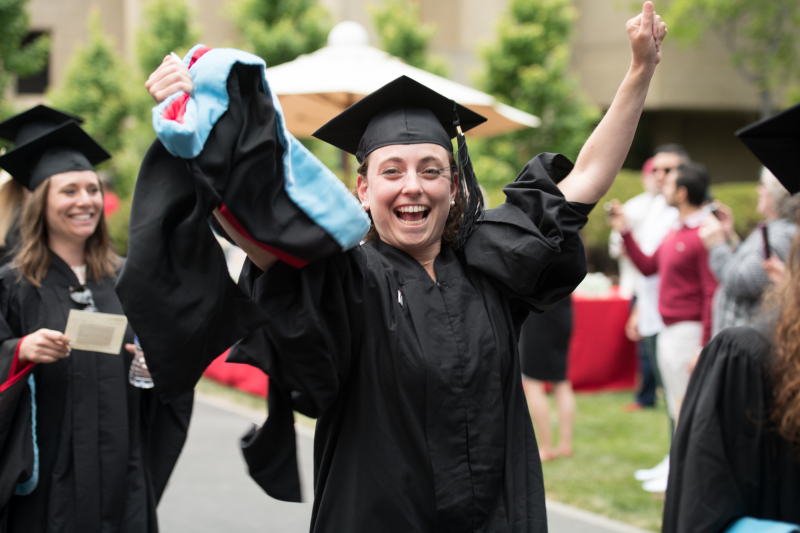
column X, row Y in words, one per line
column 742, row 279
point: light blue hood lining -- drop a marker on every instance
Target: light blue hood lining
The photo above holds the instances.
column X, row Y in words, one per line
column 309, row 183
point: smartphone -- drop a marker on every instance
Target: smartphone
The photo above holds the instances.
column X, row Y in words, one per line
column 765, row 251
column 712, row 208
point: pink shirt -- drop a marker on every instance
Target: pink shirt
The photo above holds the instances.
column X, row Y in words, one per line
column 687, row 284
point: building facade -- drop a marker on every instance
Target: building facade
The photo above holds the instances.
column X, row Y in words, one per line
column 696, row 99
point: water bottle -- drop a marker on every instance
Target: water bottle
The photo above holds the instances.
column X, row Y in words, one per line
column 139, row 376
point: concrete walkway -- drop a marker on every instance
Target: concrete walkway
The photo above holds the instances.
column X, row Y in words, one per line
column 210, row 491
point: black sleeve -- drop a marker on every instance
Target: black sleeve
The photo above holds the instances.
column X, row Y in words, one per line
column 530, row 246
column 314, row 318
column 720, row 442
column 16, row 448
column 164, row 428
column 9, row 322
column 174, row 287
column 306, row 348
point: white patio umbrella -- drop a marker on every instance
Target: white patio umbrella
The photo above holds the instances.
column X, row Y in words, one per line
column 316, row 87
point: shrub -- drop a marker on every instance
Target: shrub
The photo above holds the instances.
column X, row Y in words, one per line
column 118, row 226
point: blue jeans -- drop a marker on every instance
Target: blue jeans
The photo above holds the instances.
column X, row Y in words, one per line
column 646, row 395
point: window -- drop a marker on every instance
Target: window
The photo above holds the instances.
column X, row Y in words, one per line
column 37, row 83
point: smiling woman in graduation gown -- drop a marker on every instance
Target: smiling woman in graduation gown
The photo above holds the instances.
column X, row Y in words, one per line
column 405, row 347
column 80, row 448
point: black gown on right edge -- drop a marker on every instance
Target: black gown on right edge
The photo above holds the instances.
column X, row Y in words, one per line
column 423, row 424
column 727, row 460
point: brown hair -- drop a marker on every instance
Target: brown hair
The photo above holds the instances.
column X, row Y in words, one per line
column 12, row 196
column 33, row 259
column 786, row 370
column 453, row 217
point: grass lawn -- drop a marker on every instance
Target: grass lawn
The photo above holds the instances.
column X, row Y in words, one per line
column 609, row 446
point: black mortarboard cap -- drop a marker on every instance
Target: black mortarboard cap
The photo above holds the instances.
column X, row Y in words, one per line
column 32, row 123
column 775, row 141
column 63, row 148
column 406, row 112
column 401, row 112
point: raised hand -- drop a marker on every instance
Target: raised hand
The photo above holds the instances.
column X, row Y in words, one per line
column 775, row 268
column 645, row 32
column 44, row 346
column 170, row 77
column 616, row 216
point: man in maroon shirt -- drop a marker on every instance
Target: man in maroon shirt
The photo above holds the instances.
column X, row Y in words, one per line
column 686, row 283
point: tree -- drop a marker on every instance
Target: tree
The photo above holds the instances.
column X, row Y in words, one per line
column 402, row 35
column 167, row 28
column 95, row 88
column 281, row 30
column 528, row 68
column 761, row 37
column 17, row 59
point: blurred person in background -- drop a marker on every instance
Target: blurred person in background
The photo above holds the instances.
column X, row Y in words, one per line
column 736, row 454
column 636, row 210
column 110, row 198
column 650, row 219
column 686, row 286
column 738, row 266
column 543, row 348
column 12, row 199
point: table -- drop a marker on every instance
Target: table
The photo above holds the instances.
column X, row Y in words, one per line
column 600, row 357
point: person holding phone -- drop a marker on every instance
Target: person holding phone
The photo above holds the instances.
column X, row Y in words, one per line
column 686, row 284
column 738, row 266
column 735, row 454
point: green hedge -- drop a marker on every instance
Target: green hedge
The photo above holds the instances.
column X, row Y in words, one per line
column 741, row 197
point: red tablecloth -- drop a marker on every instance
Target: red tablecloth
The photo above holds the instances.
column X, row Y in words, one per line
column 244, row 377
column 600, row 356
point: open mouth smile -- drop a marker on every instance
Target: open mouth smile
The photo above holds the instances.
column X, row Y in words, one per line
column 82, row 217
column 412, row 215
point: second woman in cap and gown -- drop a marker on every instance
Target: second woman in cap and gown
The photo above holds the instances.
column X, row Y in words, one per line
column 81, row 449
column 405, row 347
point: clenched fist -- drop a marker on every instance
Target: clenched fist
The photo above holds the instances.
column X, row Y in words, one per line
column 170, row 77
column 645, row 32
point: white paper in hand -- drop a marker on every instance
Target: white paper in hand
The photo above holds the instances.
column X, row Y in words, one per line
column 96, row 332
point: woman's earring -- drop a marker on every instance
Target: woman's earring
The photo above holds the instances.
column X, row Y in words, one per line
column 365, row 205
column 452, row 203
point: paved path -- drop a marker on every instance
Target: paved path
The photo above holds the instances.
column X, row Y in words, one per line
column 210, row 491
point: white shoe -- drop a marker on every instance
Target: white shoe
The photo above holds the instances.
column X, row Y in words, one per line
column 661, row 469
column 658, row 484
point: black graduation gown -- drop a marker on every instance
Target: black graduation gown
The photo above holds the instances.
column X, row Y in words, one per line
column 544, row 343
column 423, row 424
column 12, row 239
column 727, row 461
column 106, row 448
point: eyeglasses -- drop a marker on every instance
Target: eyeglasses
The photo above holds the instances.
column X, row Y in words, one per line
column 83, row 295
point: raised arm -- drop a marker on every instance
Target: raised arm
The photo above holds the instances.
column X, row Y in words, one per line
column 260, row 257
column 604, row 152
